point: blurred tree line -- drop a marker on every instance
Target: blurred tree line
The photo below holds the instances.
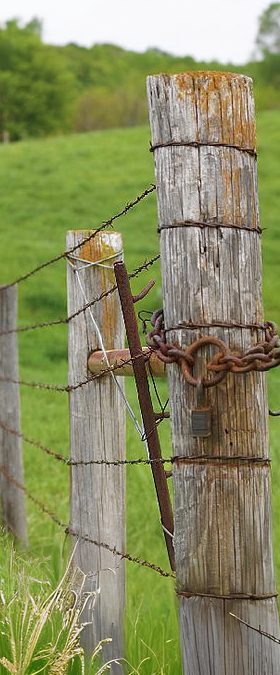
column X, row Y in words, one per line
column 46, row 89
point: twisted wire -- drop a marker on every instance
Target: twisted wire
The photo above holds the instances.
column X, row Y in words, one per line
column 103, row 349
column 56, row 322
column 184, row 459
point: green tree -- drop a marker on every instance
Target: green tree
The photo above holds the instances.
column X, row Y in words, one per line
column 36, row 86
column 268, row 37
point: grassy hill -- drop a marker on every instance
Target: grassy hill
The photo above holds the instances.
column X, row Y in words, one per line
column 46, row 188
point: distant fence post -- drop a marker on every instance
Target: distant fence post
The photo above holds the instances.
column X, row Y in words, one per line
column 203, row 137
column 97, row 425
column 12, row 499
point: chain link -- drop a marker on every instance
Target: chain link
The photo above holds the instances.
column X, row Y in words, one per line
column 261, row 357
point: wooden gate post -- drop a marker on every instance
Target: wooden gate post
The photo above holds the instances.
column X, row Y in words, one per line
column 203, row 138
column 97, row 427
column 11, row 498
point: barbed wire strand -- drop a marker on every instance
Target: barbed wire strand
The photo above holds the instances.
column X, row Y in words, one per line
column 108, row 223
column 70, row 387
column 37, row 444
column 56, row 322
column 84, row 537
column 82, row 462
column 175, row 459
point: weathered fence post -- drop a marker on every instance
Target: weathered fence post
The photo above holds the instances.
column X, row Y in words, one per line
column 203, row 138
column 11, row 498
column 97, row 426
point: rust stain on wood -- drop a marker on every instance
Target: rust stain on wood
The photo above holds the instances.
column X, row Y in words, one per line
column 222, row 513
column 210, row 90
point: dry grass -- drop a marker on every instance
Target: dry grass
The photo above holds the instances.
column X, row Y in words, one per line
column 39, row 630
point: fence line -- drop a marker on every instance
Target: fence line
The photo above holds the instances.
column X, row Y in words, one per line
column 56, row 322
column 121, row 554
column 191, row 459
column 107, row 223
column 71, row 387
column 92, row 539
column 72, row 462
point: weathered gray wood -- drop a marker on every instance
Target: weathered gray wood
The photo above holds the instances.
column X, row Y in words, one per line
column 222, row 512
column 97, row 424
column 12, row 499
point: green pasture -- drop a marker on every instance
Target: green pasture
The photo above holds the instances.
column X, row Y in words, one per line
column 46, row 188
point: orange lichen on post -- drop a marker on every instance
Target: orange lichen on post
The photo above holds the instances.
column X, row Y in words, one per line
column 205, row 165
column 222, row 99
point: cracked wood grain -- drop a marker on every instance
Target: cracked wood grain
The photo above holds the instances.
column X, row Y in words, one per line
column 222, row 514
column 11, row 498
column 97, row 429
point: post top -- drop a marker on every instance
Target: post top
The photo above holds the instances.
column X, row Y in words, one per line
column 202, row 106
column 217, row 75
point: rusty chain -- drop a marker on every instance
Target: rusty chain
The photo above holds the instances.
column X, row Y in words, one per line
column 261, row 357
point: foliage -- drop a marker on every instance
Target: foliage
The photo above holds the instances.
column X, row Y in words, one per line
column 268, row 37
column 36, row 88
column 269, row 71
column 47, row 90
column 102, row 109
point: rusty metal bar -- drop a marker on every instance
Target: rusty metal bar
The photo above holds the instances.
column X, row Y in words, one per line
column 146, row 407
column 165, row 415
column 120, row 357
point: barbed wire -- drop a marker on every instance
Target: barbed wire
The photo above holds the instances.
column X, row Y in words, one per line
column 123, row 555
column 65, row 320
column 175, row 459
column 80, row 462
column 37, row 444
column 108, row 223
column 70, row 387
column 84, row 537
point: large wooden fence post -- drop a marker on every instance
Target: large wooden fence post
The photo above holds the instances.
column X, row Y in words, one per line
column 203, row 137
column 11, row 498
column 97, row 425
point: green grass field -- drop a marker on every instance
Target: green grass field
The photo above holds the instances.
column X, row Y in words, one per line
column 46, row 188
